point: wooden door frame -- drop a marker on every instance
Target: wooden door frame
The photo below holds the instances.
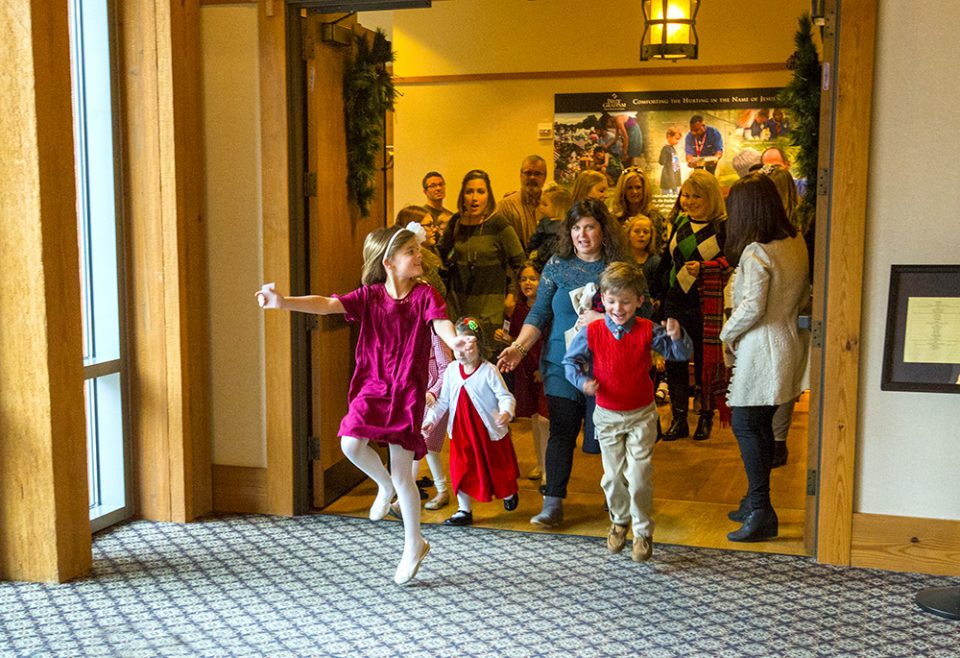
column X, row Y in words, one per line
column 842, row 229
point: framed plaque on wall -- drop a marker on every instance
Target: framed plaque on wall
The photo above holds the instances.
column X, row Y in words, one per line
column 921, row 351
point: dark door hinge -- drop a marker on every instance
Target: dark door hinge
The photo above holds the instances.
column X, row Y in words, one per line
column 314, row 447
column 811, row 482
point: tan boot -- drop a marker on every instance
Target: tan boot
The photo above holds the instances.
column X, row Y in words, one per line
column 616, row 538
column 642, row 548
column 442, row 499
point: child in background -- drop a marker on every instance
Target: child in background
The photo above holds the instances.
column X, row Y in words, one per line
column 554, row 204
column 670, row 161
column 397, row 314
column 610, row 358
column 483, row 464
column 527, row 382
column 420, row 222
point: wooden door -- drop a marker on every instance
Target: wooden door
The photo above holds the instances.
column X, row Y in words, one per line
column 336, row 233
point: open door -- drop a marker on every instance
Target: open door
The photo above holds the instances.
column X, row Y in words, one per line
column 334, row 258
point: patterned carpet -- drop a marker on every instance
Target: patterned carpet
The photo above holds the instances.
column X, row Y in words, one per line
column 322, row 586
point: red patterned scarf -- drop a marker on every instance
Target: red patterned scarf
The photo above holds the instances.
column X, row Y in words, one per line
column 715, row 377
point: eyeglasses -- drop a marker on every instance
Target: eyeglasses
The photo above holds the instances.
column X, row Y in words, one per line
column 530, row 173
column 433, row 186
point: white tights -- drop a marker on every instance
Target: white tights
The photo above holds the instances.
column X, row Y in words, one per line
column 399, row 481
column 436, row 471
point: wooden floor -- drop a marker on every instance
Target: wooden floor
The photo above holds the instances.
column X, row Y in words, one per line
column 695, row 485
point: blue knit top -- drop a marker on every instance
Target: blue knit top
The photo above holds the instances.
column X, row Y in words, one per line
column 554, row 311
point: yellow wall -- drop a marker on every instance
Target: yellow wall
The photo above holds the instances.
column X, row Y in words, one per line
column 908, row 460
column 456, row 126
column 231, row 120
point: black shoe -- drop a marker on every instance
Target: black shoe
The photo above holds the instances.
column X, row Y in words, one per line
column 740, row 514
column 510, row 503
column 678, row 429
column 779, row 454
column 760, row 525
column 425, row 482
column 460, row 518
column 704, row 425
column 542, row 489
column 423, row 494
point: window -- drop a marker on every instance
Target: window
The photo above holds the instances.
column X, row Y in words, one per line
column 100, row 265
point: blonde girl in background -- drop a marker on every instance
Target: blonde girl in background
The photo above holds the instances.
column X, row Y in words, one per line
column 589, row 185
column 397, row 314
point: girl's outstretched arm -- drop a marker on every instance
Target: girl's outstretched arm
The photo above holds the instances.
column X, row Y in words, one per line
column 268, row 297
column 445, row 330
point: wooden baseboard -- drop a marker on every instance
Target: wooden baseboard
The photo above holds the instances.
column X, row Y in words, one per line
column 902, row 543
column 240, row 489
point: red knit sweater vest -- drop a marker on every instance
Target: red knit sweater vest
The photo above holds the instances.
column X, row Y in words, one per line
column 622, row 367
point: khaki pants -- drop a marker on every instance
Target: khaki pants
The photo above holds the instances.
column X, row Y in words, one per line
column 626, row 447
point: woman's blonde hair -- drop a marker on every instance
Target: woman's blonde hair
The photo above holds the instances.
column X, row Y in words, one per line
column 375, row 252
column 653, row 246
column 585, row 182
column 706, row 185
column 620, row 205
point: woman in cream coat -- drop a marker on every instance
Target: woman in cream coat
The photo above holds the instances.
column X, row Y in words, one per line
column 761, row 334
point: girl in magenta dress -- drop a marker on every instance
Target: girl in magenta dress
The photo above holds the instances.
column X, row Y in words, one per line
column 483, row 464
column 397, row 316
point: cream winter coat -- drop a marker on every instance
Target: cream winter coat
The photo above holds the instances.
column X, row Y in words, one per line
column 771, row 286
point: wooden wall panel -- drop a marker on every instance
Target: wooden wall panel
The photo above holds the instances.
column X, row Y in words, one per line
column 852, row 72
column 44, row 525
column 240, row 489
column 900, row 543
column 166, row 269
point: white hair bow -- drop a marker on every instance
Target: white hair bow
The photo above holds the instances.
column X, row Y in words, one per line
column 414, row 227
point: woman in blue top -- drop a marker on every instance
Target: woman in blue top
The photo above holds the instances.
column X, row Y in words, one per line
column 589, row 241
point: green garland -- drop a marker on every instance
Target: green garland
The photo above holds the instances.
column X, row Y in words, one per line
column 368, row 93
column 802, row 97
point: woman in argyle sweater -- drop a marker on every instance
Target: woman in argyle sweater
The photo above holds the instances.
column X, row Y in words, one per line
column 690, row 283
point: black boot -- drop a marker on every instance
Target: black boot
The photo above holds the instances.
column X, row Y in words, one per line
column 678, row 428
column 704, row 425
column 760, row 525
column 740, row 514
column 779, row 454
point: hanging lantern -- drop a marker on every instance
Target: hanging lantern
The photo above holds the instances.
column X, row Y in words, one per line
column 669, row 29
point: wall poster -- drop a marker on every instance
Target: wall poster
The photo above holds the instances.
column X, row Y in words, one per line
column 651, row 130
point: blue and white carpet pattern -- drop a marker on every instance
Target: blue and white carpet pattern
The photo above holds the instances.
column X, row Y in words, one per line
column 323, row 586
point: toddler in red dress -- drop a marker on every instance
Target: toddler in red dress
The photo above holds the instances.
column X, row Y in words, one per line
column 483, row 464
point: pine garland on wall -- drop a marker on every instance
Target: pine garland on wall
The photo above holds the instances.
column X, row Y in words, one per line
column 368, row 93
column 802, row 97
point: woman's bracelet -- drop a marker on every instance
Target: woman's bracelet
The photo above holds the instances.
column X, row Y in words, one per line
column 520, row 348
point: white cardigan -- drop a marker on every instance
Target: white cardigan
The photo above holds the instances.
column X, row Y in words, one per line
column 487, row 391
column 771, row 286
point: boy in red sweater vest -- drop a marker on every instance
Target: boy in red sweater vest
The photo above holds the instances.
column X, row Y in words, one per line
column 610, row 358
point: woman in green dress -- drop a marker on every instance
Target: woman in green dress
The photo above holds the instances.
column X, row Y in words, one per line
column 482, row 253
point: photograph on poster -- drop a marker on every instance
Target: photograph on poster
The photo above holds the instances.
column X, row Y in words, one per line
column 609, row 132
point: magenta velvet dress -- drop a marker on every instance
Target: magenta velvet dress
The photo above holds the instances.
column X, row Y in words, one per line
column 389, row 384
